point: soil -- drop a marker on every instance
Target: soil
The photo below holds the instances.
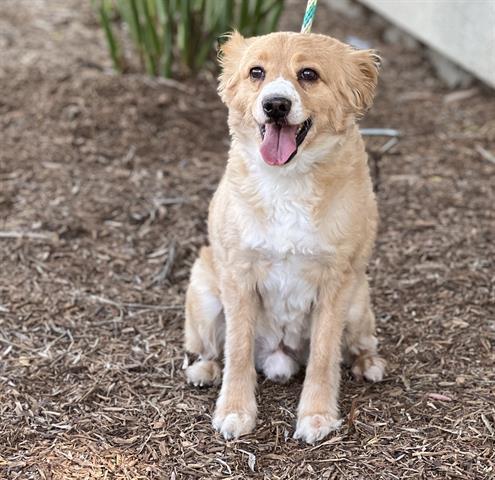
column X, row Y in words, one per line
column 105, row 182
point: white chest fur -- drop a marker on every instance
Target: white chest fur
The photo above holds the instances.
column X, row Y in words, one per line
column 288, row 241
column 286, row 226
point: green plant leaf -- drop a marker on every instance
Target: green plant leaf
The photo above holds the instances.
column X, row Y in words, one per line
column 113, row 46
column 179, row 35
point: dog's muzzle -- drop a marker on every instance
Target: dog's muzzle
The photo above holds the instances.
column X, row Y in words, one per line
column 276, row 108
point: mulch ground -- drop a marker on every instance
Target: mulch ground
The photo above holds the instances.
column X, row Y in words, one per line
column 104, row 187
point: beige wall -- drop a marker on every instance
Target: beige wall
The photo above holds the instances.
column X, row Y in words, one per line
column 462, row 30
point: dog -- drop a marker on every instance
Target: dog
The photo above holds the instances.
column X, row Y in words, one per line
column 291, row 229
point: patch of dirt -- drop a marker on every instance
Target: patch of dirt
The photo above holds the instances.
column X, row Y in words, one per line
column 108, row 179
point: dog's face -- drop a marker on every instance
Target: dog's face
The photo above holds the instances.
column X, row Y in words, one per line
column 291, row 93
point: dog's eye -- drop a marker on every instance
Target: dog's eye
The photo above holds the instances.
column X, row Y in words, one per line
column 257, row 73
column 307, row 75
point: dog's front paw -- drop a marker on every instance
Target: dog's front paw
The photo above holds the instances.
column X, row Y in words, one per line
column 312, row 428
column 233, row 424
column 371, row 367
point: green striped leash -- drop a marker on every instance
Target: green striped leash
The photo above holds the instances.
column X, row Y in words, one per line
column 309, row 16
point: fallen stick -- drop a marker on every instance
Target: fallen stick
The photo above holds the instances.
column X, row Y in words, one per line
column 29, row 235
column 17, row 345
column 389, row 145
column 167, row 267
column 485, row 154
column 380, row 132
column 122, row 305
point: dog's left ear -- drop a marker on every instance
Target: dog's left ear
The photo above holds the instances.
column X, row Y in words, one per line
column 229, row 56
column 362, row 77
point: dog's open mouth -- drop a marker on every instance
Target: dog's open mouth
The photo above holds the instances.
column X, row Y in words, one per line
column 280, row 141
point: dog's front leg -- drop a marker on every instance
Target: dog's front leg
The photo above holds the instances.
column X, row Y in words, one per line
column 318, row 411
column 235, row 413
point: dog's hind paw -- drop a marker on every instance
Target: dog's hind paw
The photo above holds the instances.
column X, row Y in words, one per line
column 204, row 373
column 371, row 367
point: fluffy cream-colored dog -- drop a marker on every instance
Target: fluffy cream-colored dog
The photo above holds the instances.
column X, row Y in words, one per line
column 291, row 228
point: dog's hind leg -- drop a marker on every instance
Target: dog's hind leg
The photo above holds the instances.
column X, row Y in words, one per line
column 205, row 324
column 360, row 342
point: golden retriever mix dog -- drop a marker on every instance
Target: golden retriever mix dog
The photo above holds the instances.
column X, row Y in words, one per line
column 291, row 228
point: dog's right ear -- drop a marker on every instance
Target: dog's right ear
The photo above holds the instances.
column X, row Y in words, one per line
column 230, row 54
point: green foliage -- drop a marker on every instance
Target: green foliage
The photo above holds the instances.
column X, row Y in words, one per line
column 178, row 36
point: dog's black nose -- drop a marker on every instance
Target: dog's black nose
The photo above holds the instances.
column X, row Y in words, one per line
column 276, row 108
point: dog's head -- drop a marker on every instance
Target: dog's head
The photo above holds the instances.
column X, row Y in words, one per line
column 291, row 94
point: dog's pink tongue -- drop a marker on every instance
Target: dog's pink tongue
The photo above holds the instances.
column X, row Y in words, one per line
column 279, row 143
